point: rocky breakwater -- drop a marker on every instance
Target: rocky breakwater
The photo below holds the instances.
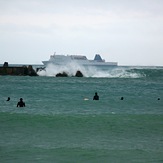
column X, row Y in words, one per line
column 59, row 74
column 64, row 74
column 17, row 70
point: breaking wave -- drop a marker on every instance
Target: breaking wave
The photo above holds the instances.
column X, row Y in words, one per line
column 102, row 72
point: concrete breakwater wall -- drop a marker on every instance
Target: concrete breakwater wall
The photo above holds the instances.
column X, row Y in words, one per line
column 21, row 70
column 29, row 71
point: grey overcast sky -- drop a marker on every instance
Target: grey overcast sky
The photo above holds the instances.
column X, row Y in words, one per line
column 127, row 31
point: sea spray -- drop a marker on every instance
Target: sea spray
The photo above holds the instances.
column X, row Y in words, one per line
column 53, row 70
column 92, row 71
column 70, row 69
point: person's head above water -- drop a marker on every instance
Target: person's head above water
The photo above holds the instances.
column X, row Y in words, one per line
column 122, row 98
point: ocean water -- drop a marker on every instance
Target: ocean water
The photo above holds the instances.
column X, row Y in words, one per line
column 61, row 122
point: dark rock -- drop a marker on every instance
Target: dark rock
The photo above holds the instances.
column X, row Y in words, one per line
column 63, row 74
column 78, row 74
column 31, row 71
column 5, row 64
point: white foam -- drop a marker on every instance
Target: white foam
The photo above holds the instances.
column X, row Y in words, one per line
column 72, row 68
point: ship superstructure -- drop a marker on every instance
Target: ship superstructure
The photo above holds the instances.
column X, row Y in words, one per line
column 78, row 59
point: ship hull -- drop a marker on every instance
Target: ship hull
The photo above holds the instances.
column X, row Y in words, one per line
column 82, row 64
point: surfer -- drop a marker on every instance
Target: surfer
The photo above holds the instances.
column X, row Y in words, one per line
column 21, row 103
column 8, row 99
column 96, row 97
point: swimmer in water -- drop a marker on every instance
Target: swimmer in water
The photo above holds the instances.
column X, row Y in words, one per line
column 96, row 97
column 122, row 98
column 21, row 103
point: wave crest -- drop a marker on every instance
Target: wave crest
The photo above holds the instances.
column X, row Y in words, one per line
column 99, row 72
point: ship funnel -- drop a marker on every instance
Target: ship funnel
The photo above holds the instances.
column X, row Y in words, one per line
column 98, row 57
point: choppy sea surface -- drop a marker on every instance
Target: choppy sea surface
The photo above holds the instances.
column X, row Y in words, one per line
column 61, row 122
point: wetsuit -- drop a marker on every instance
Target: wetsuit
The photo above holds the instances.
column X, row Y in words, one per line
column 21, row 104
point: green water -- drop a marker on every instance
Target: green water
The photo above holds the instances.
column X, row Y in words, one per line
column 59, row 125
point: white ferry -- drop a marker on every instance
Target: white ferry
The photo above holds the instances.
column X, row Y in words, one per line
column 78, row 59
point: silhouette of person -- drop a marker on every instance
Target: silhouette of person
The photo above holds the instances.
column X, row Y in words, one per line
column 8, row 99
column 96, row 97
column 21, row 103
column 122, row 98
